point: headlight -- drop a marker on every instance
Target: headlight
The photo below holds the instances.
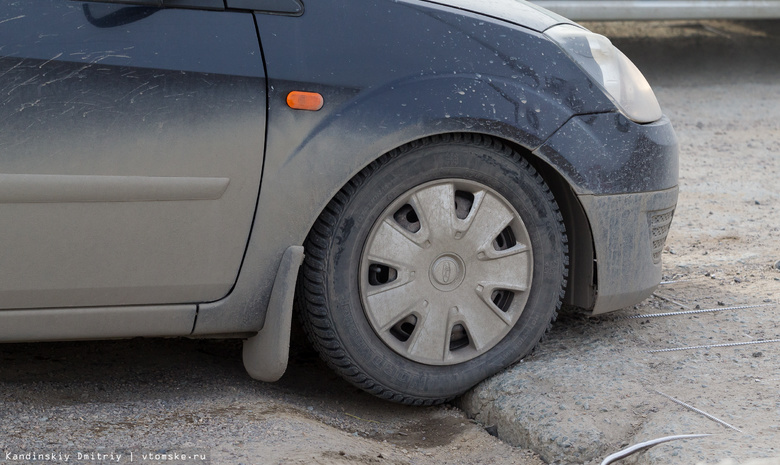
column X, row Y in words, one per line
column 612, row 70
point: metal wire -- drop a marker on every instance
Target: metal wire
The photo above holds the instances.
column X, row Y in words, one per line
column 694, row 409
column 693, row 312
column 711, row 346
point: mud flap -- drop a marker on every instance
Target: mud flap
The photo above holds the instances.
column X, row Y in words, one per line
column 265, row 354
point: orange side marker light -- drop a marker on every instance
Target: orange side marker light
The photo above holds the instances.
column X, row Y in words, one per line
column 298, row 100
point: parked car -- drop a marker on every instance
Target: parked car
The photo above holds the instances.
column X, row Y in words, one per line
column 449, row 173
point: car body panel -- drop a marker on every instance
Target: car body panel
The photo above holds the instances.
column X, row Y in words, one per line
column 75, row 324
column 614, row 154
column 383, row 91
column 624, row 232
column 625, row 171
column 132, row 150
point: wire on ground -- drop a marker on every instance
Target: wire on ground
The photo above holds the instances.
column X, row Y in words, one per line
column 646, row 445
column 694, row 409
column 693, row 312
column 712, row 346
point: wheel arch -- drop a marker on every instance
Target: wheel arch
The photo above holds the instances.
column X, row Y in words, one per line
column 582, row 284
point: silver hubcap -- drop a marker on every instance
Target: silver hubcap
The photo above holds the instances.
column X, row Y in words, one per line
column 445, row 272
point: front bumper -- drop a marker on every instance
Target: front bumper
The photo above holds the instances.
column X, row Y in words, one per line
column 629, row 231
column 624, row 176
column 607, row 153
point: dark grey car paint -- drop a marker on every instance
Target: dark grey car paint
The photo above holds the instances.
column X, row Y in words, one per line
column 129, row 165
column 614, row 155
column 391, row 72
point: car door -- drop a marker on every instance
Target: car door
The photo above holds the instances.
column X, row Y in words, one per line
column 131, row 151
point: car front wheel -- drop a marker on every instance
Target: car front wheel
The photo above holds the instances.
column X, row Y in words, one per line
column 436, row 266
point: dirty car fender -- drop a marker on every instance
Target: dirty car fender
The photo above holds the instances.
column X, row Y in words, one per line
column 466, row 73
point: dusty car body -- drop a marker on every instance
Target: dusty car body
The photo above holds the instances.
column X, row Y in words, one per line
column 158, row 178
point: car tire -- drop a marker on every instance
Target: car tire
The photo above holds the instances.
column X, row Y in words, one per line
column 436, row 266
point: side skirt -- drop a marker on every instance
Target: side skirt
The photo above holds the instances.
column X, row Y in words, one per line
column 68, row 324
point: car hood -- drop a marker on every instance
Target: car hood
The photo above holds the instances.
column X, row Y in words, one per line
column 517, row 12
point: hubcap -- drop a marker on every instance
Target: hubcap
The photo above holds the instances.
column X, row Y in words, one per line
column 445, row 271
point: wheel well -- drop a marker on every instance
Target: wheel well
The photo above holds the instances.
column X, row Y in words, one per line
column 581, row 286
